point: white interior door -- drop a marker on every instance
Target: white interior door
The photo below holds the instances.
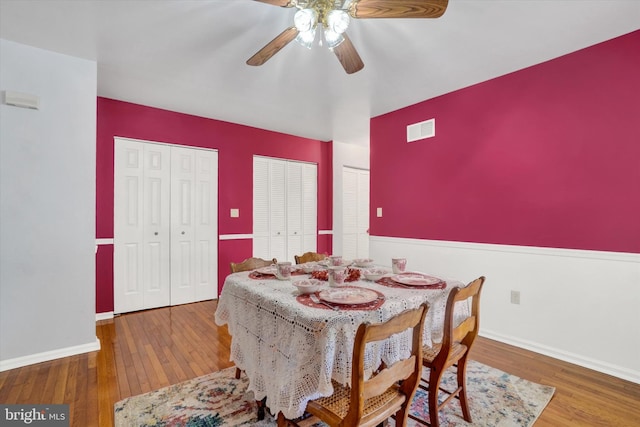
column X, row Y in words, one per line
column 141, row 226
column 363, row 214
column 355, row 207
column 206, row 223
column 165, row 225
column 193, row 225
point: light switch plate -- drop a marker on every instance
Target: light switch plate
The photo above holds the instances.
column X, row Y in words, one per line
column 235, row 213
column 379, row 212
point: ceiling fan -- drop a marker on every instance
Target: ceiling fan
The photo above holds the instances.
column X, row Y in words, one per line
column 333, row 17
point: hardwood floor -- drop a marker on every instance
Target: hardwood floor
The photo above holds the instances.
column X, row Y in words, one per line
column 144, row 351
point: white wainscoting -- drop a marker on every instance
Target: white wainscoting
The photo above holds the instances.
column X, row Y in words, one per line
column 579, row 306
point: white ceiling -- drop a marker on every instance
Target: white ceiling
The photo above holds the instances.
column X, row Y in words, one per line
column 189, row 56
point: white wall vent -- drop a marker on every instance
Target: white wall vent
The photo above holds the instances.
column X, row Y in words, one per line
column 422, row 130
column 24, row 100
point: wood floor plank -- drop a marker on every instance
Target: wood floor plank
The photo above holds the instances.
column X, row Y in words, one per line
column 150, row 349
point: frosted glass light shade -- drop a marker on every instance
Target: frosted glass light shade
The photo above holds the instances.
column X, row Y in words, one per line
column 306, row 38
column 332, row 38
column 305, row 19
column 338, row 21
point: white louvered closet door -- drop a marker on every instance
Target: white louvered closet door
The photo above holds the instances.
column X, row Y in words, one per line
column 261, row 208
column 294, row 210
column 355, row 208
column 284, row 208
column 309, row 208
column 278, row 211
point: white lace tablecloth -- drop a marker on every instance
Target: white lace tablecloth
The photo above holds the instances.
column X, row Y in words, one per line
column 290, row 352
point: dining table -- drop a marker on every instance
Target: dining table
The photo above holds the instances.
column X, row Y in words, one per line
column 291, row 347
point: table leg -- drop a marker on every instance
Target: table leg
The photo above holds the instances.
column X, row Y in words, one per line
column 261, row 406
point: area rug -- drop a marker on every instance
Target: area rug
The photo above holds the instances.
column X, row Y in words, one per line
column 218, row 399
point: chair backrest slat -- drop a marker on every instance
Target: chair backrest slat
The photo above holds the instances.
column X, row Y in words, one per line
column 309, row 257
column 251, row 264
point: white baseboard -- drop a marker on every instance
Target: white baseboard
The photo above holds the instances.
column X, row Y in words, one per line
column 104, row 316
column 576, row 359
column 31, row 359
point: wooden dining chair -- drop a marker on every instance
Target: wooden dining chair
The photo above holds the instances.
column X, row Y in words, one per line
column 454, row 350
column 251, row 264
column 388, row 392
column 247, row 265
column 309, row 257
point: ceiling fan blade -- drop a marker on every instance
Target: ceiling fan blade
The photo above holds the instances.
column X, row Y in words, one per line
column 273, row 47
column 283, row 3
column 348, row 56
column 398, row 8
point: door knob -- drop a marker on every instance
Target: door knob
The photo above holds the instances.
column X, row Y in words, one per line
column 155, row 234
column 183, row 232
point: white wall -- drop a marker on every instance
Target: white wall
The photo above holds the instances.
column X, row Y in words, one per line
column 47, row 207
column 351, row 155
column 579, row 306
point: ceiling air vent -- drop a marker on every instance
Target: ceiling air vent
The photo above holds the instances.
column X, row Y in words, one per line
column 422, row 130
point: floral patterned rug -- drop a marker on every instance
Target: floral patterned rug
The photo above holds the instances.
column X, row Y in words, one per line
column 218, row 399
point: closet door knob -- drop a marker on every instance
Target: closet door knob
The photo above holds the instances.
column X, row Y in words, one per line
column 155, row 234
column 183, row 232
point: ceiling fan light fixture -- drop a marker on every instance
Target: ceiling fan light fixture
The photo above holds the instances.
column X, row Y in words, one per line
column 338, row 21
column 305, row 19
column 332, row 38
column 306, row 38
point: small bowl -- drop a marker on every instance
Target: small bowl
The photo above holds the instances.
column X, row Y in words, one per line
column 363, row 262
column 374, row 274
column 308, row 286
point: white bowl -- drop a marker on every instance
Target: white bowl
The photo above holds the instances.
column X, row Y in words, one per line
column 363, row 262
column 308, row 286
column 308, row 267
column 374, row 274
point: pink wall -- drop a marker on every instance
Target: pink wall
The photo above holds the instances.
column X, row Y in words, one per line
column 236, row 145
column 548, row 156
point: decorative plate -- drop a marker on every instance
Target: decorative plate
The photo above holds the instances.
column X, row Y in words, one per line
column 348, row 295
column 415, row 279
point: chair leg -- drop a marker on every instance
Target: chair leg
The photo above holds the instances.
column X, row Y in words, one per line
column 435, row 376
column 462, row 384
column 238, row 373
column 282, row 421
column 401, row 416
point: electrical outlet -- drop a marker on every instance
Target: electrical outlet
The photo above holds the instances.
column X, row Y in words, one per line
column 515, row 297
